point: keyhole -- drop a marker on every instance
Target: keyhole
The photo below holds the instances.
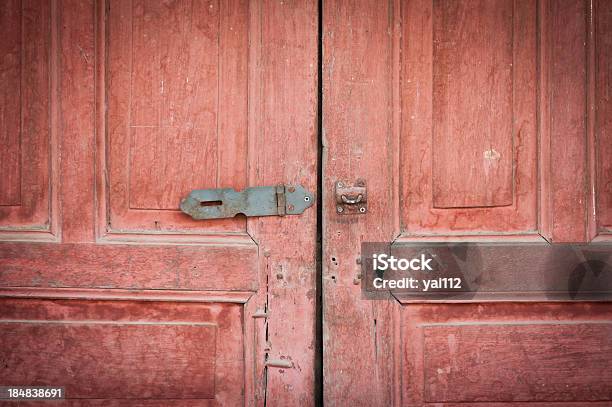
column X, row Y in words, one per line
column 211, row 203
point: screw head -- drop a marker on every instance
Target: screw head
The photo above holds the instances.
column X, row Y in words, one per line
column 339, row 184
column 362, row 209
column 339, row 209
column 306, row 199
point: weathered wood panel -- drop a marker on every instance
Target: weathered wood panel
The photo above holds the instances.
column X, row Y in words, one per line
column 566, row 68
column 472, row 103
column 25, row 116
column 284, row 106
column 360, row 70
column 172, row 133
column 603, row 112
column 468, row 141
column 116, row 266
column 176, row 80
column 107, row 359
column 76, row 119
column 506, row 353
column 10, row 164
column 124, row 350
column 532, row 362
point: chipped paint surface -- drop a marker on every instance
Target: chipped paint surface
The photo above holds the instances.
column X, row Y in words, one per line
column 491, row 155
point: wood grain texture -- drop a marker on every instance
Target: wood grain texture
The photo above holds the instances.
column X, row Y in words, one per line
column 106, row 359
column 25, row 117
column 239, row 297
column 566, row 40
column 468, row 143
column 378, row 124
column 176, row 82
column 133, row 350
column 10, row 164
column 77, row 110
column 283, row 115
column 131, row 403
column 531, row 362
column 172, row 132
column 516, row 354
column 116, row 266
column 361, row 46
column 472, row 103
column 158, row 98
column 603, row 112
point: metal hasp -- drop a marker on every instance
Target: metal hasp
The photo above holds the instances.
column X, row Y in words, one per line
column 351, row 199
column 221, row 203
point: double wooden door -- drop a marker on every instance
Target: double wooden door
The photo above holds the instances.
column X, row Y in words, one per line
column 469, row 120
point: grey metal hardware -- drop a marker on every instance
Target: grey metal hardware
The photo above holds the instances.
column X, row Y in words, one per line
column 351, row 199
column 221, row 203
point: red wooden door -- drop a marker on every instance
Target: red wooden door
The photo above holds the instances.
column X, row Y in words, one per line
column 469, row 121
column 110, row 113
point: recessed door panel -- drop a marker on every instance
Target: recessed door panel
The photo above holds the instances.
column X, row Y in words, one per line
column 468, row 94
column 177, row 91
column 27, row 132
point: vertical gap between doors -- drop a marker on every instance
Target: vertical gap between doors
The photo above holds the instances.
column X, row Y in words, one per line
column 319, row 264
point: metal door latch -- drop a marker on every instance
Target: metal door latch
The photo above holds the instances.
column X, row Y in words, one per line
column 351, row 199
column 221, row 203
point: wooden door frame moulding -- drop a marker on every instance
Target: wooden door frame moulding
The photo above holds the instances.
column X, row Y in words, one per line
column 597, row 232
column 564, row 178
column 581, row 175
column 104, row 232
column 404, row 236
column 51, row 230
column 416, row 318
column 578, row 177
column 101, row 266
column 117, row 294
column 452, row 222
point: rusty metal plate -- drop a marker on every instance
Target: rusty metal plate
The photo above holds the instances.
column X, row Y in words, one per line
column 351, row 198
column 221, row 203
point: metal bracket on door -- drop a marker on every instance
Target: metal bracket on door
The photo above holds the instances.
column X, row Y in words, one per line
column 221, row 203
column 351, row 199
